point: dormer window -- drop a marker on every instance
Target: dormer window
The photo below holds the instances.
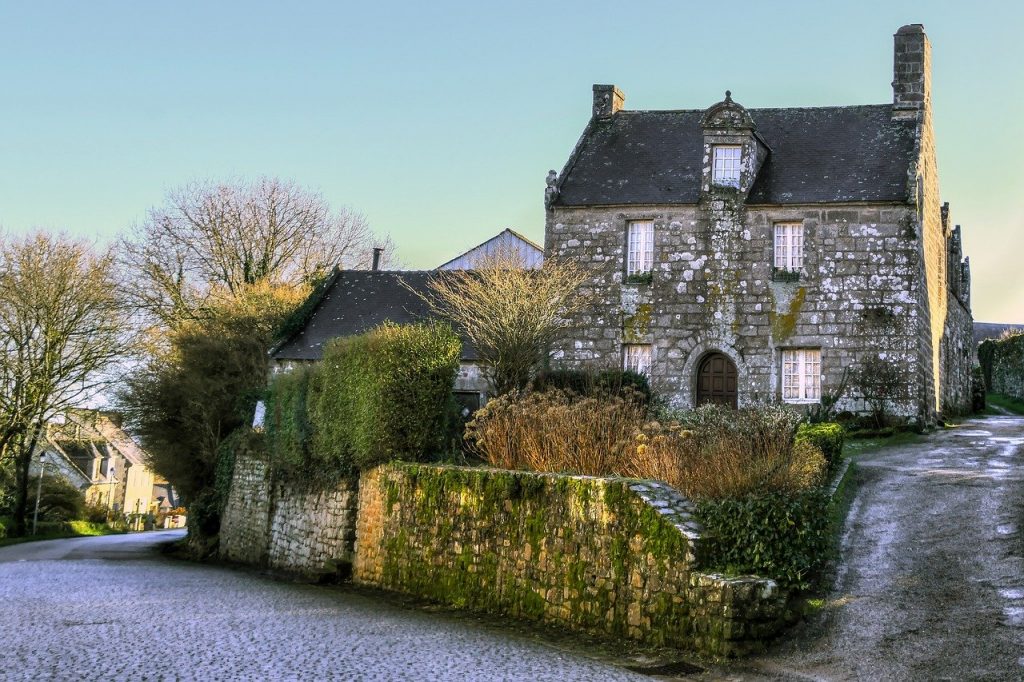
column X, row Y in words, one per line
column 725, row 165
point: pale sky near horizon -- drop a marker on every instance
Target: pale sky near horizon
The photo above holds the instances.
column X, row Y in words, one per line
column 439, row 121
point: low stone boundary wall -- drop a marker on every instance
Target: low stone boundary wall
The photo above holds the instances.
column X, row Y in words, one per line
column 611, row 556
column 285, row 527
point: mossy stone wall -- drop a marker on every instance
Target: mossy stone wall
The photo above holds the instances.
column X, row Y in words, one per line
column 1008, row 367
column 244, row 534
column 614, row 557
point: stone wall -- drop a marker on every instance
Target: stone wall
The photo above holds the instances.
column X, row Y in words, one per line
column 1008, row 366
column 313, row 533
column 285, row 526
column 244, row 535
column 858, row 295
column 610, row 556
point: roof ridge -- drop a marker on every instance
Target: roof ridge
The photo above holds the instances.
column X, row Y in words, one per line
column 700, row 111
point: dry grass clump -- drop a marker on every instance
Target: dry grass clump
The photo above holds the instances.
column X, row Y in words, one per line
column 712, row 453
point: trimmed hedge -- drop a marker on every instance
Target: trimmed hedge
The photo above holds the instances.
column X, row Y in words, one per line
column 288, row 429
column 827, row 437
column 784, row 536
column 383, row 395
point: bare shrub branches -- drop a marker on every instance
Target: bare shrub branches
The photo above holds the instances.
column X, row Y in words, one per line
column 512, row 315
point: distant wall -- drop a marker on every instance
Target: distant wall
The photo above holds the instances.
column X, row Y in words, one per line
column 1008, row 366
column 609, row 556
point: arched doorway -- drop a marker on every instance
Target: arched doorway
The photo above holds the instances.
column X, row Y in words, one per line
column 716, row 380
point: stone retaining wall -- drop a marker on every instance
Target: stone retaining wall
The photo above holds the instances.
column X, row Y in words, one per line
column 611, row 556
column 287, row 527
column 244, row 534
column 1008, row 367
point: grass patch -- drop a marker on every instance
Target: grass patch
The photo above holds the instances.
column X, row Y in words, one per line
column 70, row 529
column 1008, row 403
column 857, row 445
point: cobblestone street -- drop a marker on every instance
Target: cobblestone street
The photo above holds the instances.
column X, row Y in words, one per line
column 110, row 608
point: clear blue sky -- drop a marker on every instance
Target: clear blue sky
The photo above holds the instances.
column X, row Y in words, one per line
column 439, row 120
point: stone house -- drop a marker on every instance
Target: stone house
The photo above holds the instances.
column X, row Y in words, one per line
column 745, row 255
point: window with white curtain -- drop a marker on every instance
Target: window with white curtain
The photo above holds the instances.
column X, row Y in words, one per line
column 637, row 357
column 801, row 375
column 789, row 246
column 640, row 251
column 725, row 165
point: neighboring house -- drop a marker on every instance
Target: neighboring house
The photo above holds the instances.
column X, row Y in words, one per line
column 355, row 301
column 111, row 465
column 504, row 243
column 57, row 462
column 744, row 255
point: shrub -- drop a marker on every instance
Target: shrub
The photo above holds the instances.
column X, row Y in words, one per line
column 95, row 513
column 716, row 453
column 782, row 536
column 60, row 501
column 383, row 395
column 828, row 437
column 977, row 390
column 204, row 514
column 588, row 383
column 3, row 529
column 288, row 429
column 556, row 430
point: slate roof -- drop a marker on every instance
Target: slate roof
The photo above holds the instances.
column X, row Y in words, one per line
column 818, row 155
column 356, row 301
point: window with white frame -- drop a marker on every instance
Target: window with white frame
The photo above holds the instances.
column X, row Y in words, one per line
column 640, row 251
column 725, row 165
column 637, row 357
column 789, row 246
column 801, row 375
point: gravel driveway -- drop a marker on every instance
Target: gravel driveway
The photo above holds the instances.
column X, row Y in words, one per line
column 932, row 582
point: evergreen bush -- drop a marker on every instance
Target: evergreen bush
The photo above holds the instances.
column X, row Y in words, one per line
column 827, row 436
column 383, row 395
column 784, row 536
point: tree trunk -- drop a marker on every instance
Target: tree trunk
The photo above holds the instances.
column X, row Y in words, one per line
column 23, row 462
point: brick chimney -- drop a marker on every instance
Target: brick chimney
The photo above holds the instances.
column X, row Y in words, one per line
column 912, row 77
column 608, row 99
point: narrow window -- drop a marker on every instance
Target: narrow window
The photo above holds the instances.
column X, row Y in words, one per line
column 640, row 251
column 725, row 165
column 789, row 246
column 637, row 357
column 801, row 375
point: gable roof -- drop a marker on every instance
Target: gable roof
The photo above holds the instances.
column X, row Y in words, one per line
column 507, row 240
column 818, row 155
column 356, row 301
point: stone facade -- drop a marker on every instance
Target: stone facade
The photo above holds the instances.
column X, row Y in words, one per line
column 287, row 527
column 882, row 272
column 610, row 556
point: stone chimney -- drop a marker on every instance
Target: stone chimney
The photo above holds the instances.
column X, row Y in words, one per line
column 912, row 77
column 608, row 99
column 377, row 252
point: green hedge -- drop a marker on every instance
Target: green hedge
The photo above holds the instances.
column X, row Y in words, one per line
column 288, row 428
column 784, row 536
column 383, row 395
column 828, row 437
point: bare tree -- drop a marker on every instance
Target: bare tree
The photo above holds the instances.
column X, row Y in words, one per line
column 61, row 326
column 512, row 315
column 208, row 237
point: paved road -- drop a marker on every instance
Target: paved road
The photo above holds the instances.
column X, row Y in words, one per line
column 932, row 586
column 110, row 608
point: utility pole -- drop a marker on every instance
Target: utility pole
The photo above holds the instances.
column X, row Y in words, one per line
column 39, row 490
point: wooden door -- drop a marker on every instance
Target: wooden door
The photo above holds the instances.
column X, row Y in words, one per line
column 716, row 381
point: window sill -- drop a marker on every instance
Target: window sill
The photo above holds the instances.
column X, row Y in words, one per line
column 801, row 401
